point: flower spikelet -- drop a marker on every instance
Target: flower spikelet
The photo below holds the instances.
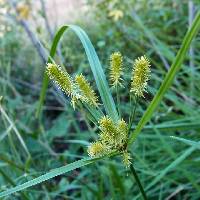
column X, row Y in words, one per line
column 122, row 127
column 86, row 89
column 116, row 63
column 107, row 126
column 141, row 73
column 61, row 78
column 122, row 132
column 112, row 138
column 126, row 159
column 96, row 149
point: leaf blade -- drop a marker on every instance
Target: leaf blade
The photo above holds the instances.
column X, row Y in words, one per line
column 47, row 176
column 95, row 65
column 168, row 78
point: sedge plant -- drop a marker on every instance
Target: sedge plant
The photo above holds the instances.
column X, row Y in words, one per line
column 113, row 135
column 111, row 115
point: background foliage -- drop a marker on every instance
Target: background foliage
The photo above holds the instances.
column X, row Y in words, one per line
column 168, row 168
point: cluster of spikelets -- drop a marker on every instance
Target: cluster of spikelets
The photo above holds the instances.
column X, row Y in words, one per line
column 112, row 138
column 79, row 89
column 140, row 73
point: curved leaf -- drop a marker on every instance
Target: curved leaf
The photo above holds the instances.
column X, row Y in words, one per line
column 47, row 176
column 96, row 68
column 168, row 79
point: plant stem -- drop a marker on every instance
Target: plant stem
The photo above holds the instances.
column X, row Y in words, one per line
column 132, row 115
column 118, row 101
column 138, row 182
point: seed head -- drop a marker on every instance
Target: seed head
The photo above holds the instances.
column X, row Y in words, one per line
column 141, row 74
column 107, row 126
column 96, row 149
column 116, row 63
column 61, row 78
column 126, row 159
column 64, row 82
column 86, row 89
column 122, row 129
column 112, row 138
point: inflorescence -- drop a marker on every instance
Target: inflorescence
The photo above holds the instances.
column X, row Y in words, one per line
column 113, row 136
column 116, row 64
column 87, row 92
column 140, row 76
column 78, row 89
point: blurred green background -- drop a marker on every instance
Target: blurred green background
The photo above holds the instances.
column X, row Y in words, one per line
column 168, row 169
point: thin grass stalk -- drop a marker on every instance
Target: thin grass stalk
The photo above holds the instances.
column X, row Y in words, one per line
column 118, row 101
column 132, row 116
column 138, row 182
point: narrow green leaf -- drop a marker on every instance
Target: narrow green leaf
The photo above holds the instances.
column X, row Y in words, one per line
column 45, row 77
column 168, row 79
column 47, row 176
column 55, row 172
column 96, row 68
column 172, row 166
column 188, row 142
column 171, row 127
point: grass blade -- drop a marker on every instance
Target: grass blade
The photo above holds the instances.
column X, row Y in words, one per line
column 188, row 142
column 171, row 166
column 45, row 77
column 168, row 79
column 53, row 173
column 47, row 176
column 96, row 68
column 15, row 130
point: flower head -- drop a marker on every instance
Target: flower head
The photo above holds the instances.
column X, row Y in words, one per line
column 112, row 138
column 141, row 73
column 96, row 149
column 116, row 14
column 107, row 126
column 126, row 159
column 86, row 89
column 122, row 129
column 113, row 134
column 116, row 63
column 61, row 78
column 64, row 82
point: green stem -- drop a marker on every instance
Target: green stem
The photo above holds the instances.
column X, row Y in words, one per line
column 132, row 117
column 85, row 107
column 118, row 101
column 130, row 113
column 138, row 182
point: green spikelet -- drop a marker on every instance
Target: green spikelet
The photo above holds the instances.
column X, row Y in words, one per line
column 122, row 129
column 126, row 158
column 112, row 138
column 96, row 149
column 86, row 89
column 141, row 74
column 107, row 125
column 64, row 82
column 61, row 78
column 116, row 63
